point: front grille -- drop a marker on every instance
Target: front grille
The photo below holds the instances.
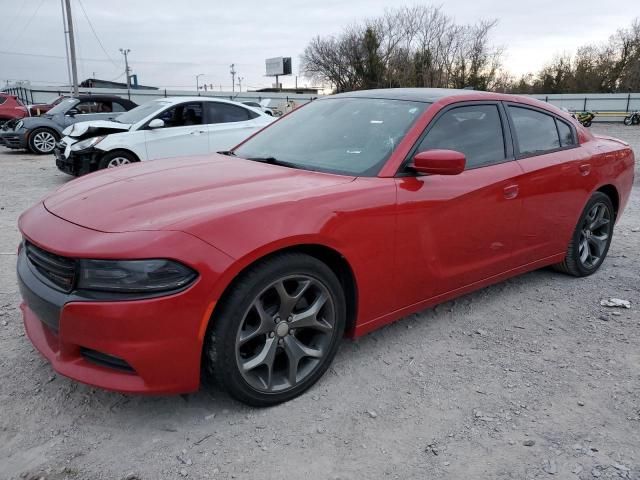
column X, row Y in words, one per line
column 105, row 360
column 59, row 270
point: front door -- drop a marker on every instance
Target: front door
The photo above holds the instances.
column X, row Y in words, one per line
column 183, row 134
column 454, row 231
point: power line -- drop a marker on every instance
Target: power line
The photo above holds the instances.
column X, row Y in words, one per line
column 96, row 35
column 17, row 37
column 89, row 59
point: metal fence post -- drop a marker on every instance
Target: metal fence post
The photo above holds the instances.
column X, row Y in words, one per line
column 628, row 102
column 584, row 109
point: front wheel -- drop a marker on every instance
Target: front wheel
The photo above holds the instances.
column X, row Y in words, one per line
column 591, row 238
column 42, row 141
column 587, row 123
column 277, row 331
column 627, row 120
column 116, row 159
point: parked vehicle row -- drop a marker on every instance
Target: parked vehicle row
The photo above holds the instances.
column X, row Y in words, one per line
column 249, row 266
column 40, row 134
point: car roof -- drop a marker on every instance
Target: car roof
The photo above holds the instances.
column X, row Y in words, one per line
column 174, row 100
column 414, row 94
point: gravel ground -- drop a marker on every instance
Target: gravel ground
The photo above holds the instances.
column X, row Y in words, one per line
column 530, row 378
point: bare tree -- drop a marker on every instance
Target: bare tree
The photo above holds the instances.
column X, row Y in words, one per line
column 409, row 46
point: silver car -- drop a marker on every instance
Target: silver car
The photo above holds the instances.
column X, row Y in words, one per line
column 40, row 134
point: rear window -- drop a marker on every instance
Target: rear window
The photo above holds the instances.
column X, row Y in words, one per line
column 536, row 131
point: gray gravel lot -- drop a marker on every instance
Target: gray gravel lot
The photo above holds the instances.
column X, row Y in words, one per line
column 530, row 378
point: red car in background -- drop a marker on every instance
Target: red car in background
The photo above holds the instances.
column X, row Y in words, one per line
column 11, row 108
column 40, row 108
column 347, row 214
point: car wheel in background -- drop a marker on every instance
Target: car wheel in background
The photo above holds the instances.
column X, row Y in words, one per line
column 591, row 239
column 116, row 159
column 42, row 140
column 277, row 331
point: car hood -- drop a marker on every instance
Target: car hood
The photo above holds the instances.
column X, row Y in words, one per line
column 94, row 128
column 173, row 194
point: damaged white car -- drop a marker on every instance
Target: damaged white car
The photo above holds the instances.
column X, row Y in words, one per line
column 163, row 128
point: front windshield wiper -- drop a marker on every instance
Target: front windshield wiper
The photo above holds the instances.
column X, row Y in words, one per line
column 228, row 153
column 273, row 161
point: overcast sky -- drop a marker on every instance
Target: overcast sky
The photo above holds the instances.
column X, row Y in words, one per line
column 172, row 41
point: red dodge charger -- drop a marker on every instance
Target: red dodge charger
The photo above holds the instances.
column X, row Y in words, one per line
column 249, row 267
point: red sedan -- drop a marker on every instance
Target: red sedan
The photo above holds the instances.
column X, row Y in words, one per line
column 11, row 108
column 350, row 213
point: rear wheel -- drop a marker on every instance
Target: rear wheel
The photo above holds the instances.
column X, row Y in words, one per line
column 116, row 159
column 42, row 140
column 278, row 330
column 591, row 239
column 587, row 123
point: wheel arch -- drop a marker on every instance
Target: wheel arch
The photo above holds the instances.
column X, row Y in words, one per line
column 122, row 150
column 612, row 192
column 337, row 262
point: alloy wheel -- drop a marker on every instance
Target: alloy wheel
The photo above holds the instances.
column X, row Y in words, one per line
column 117, row 162
column 285, row 333
column 44, row 142
column 594, row 235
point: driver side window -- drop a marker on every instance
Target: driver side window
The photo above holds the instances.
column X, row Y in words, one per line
column 475, row 130
column 182, row 115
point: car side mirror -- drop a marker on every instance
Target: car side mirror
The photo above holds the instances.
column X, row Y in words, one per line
column 439, row 162
column 156, row 123
column 72, row 112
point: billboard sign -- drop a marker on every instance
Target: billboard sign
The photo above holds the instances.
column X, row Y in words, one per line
column 278, row 66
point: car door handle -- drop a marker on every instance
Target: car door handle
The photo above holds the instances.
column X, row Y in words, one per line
column 198, row 132
column 511, row 192
column 585, row 169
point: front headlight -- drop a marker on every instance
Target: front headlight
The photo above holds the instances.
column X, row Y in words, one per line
column 88, row 143
column 134, row 276
column 19, row 125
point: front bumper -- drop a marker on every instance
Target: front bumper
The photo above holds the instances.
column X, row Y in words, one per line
column 14, row 139
column 76, row 163
column 151, row 345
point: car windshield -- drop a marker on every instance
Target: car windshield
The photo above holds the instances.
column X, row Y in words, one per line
column 352, row 136
column 141, row 112
column 63, row 106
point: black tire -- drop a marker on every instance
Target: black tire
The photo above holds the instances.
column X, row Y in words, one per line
column 587, row 123
column 574, row 262
column 627, row 120
column 635, row 119
column 42, row 140
column 116, row 159
column 223, row 351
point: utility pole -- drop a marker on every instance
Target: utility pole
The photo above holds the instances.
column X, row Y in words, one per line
column 233, row 78
column 240, row 79
column 66, row 44
column 72, row 48
column 197, row 84
column 125, row 52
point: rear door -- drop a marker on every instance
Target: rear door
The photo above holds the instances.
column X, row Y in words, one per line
column 457, row 230
column 228, row 124
column 553, row 185
column 183, row 133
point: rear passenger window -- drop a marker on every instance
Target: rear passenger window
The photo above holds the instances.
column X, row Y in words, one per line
column 226, row 113
column 566, row 134
column 475, row 130
column 536, row 131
